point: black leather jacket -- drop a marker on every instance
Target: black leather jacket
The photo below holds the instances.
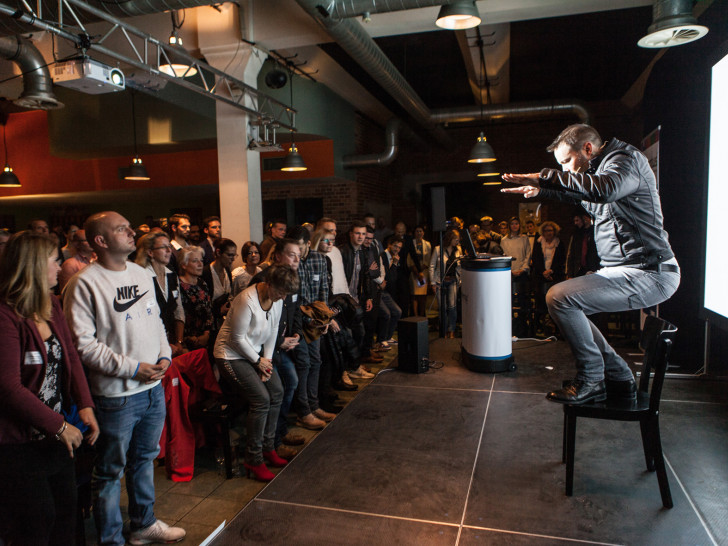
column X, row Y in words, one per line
column 619, row 191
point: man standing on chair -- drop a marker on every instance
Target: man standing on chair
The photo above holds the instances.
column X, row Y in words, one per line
column 615, row 184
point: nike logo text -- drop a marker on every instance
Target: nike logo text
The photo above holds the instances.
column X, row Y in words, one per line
column 124, row 293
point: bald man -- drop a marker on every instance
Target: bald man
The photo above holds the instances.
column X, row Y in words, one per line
column 112, row 309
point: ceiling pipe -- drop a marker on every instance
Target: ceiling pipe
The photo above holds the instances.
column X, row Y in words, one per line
column 354, row 8
column 353, row 39
column 392, row 132
column 526, row 110
column 37, row 84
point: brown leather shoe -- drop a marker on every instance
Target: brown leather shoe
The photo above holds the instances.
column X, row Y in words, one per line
column 285, row 452
column 310, row 422
column 324, row 415
column 373, row 358
column 293, row 439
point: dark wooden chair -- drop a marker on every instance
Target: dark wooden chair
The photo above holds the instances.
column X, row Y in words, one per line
column 657, row 338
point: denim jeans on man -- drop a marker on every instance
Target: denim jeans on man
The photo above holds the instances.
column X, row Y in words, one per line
column 611, row 290
column 308, row 367
column 389, row 315
column 130, row 430
column 287, row 372
column 264, row 404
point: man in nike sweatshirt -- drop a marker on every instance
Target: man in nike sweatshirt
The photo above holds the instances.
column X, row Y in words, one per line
column 112, row 310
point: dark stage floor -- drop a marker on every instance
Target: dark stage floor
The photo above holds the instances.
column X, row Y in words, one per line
column 453, row 457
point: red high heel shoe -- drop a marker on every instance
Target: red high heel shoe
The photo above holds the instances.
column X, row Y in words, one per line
column 274, row 459
column 260, row 472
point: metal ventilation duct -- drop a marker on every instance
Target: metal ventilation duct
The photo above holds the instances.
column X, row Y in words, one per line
column 391, row 136
column 353, row 8
column 37, row 85
column 359, row 45
column 524, row 110
column 673, row 24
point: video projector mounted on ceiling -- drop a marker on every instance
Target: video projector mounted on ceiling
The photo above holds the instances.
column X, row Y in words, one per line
column 88, row 76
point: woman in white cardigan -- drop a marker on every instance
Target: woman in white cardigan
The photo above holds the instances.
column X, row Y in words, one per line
column 243, row 351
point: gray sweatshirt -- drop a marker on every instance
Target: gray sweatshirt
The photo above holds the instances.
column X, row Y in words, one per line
column 115, row 322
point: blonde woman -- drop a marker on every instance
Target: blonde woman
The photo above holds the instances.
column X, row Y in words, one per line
column 40, row 378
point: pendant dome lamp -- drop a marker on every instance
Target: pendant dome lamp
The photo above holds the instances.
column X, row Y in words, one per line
column 137, row 170
column 490, row 174
column 458, row 15
column 8, row 179
column 482, row 152
column 293, row 161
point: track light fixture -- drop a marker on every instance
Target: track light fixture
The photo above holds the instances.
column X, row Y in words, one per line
column 458, row 15
column 173, row 62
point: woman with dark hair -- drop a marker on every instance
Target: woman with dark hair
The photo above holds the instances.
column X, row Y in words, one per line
column 41, row 378
column 450, row 281
column 243, row 351
column 250, row 255
column 154, row 253
column 196, row 298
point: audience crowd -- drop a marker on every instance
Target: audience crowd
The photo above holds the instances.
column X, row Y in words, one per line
column 300, row 319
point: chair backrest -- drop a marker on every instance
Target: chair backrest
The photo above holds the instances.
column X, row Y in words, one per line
column 657, row 338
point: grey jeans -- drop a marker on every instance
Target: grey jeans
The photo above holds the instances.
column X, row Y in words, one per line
column 611, row 289
column 264, row 405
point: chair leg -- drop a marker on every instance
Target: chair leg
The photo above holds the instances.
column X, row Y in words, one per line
column 227, row 448
column 648, row 446
column 660, row 465
column 563, row 439
column 570, row 448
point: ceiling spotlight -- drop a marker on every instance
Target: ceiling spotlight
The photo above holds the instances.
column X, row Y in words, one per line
column 458, row 15
column 275, row 79
column 673, row 24
column 174, row 61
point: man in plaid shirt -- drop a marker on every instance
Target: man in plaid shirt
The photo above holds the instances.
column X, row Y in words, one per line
column 314, row 277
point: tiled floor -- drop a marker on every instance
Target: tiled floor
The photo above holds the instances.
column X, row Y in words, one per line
column 457, row 458
column 452, row 457
column 201, row 505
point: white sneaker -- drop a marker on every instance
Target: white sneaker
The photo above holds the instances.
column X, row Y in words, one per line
column 361, row 373
column 158, row 532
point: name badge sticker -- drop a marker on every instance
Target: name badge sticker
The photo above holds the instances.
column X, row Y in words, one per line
column 150, row 303
column 294, row 298
column 175, row 293
column 315, row 277
column 33, row 358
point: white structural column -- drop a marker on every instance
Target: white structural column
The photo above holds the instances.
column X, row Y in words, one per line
column 241, row 206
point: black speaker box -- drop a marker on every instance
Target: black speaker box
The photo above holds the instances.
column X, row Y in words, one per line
column 414, row 345
column 439, row 219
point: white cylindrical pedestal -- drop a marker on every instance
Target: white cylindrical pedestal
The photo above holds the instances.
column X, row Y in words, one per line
column 486, row 297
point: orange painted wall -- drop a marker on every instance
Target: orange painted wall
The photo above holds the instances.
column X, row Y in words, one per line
column 41, row 173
